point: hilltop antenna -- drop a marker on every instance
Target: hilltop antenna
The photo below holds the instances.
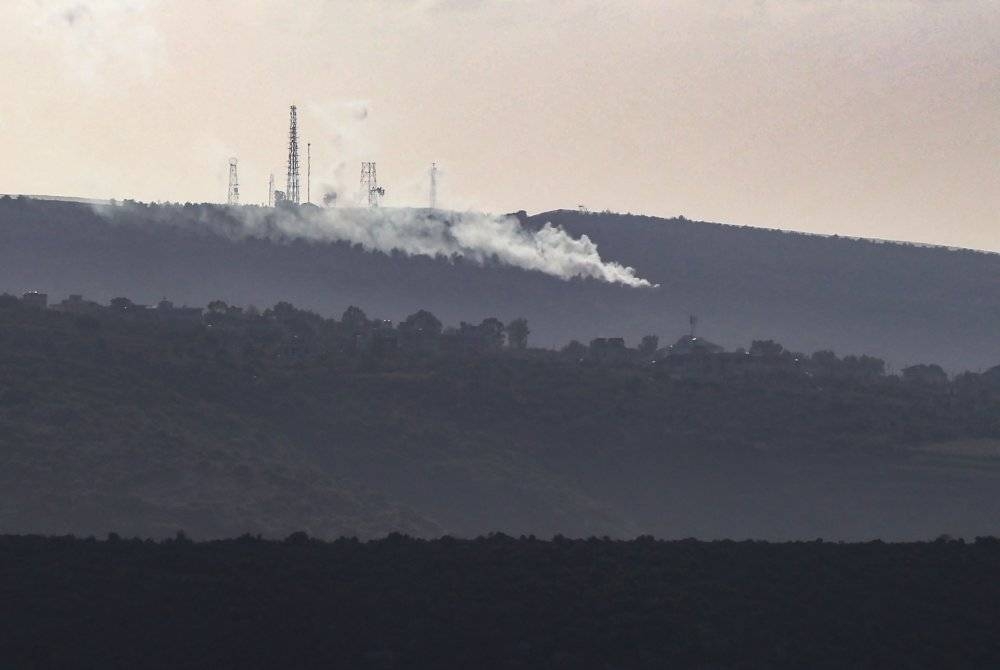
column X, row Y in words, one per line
column 292, row 179
column 369, row 184
column 309, row 171
column 234, row 184
column 434, row 173
column 270, row 190
column 693, row 321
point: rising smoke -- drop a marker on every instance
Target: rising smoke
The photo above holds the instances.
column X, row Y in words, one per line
column 479, row 237
column 470, row 235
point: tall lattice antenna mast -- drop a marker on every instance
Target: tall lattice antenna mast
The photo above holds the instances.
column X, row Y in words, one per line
column 369, row 184
column 270, row 190
column 309, row 171
column 234, row 184
column 292, row 180
column 434, row 185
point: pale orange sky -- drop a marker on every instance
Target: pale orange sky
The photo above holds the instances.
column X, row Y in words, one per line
column 878, row 118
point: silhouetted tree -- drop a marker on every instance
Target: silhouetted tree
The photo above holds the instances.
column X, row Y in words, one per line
column 517, row 333
column 421, row 322
column 492, row 332
column 575, row 350
column 766, row 348
column 649, row 345
column 925, row 374
column 354, row 319
column 218, row 307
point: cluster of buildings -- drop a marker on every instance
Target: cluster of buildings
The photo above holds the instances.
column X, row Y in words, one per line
column 76, row 304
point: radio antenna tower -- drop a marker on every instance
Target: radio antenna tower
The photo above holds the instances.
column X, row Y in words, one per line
column 434, row 185
column 292, row 180
column 270, row 190
column 309, row 171
column 369, row 184
column 234, row 184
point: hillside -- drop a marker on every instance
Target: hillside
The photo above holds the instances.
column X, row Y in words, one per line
column 121, row 420
column 900, row 302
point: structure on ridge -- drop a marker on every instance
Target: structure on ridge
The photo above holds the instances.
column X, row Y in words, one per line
column 434, row 185
column 309, row 171
column 292, row 179
column 234, row 184
column 270, row 190
column 369, row 184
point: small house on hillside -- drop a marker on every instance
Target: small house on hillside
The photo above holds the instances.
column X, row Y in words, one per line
column 689, row 344
column 35, row 299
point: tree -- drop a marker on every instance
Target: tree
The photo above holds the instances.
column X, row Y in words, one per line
column 925, row 374
column 649, row 345
column 492, row 332
column 766, row 348
column 354, row 319
column 575, row 350
column 283, row 310
column 218, row 307
column 517, row 333
column 421, row 322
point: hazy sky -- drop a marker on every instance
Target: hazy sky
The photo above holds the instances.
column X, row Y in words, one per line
column 867, row 117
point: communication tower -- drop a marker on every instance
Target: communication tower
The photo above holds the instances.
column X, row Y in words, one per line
column 270, row 190
column 369, row 184
column 292, row 179
column 434, row 185
column 234, row 184
column 309, row 171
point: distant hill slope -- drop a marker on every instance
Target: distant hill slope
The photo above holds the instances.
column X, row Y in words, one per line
column 275, row 423
column 904, row 303
column 899, row 301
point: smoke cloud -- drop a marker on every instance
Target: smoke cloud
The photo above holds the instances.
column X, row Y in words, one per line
column 475, row 236
column 470, row 235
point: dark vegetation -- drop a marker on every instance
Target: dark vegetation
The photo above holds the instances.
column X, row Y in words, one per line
column 497, row 602
column 905, row 304
column 146, row 421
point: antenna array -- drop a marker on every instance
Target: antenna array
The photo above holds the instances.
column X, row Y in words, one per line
column 434, row 185
column 369, row 184
column 234, row 184
column 292, row 178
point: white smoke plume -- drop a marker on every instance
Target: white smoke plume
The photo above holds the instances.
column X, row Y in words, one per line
column 470, row 235
column 475, row 236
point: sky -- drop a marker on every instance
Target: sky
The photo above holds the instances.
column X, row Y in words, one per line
column 875, row 118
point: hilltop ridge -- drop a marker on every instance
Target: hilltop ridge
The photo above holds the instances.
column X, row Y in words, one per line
column 901, row 302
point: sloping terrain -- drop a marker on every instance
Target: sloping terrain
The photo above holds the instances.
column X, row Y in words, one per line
column 270, row 425
column 904, row 303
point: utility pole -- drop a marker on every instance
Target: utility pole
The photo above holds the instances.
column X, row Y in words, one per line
column 309, row 171
column 270, row 190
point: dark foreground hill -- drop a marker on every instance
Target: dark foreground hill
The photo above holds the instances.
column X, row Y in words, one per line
column 497, row 602
column 125, row 421
column 903, row 303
